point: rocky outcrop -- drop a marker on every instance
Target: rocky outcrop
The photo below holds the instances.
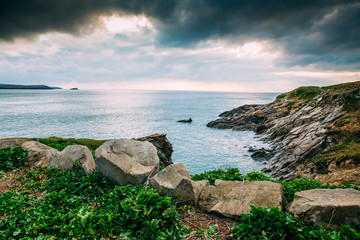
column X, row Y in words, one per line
column 232, row 198
column 74, row 154
column 15, row 142
column 175, row 181
column 328, row 207
column 299, row 124
column 39, row 155
column 127, row 161
column 163, row 146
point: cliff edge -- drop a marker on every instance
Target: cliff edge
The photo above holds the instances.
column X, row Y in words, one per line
column 302, row 124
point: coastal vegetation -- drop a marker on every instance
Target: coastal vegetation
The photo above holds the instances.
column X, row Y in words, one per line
column 47, row 203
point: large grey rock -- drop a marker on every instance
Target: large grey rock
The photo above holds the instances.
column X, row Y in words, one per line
column 16, row 142
column 127, row 161
column 175, row 181
column 72, row 154
column 232, row 198
column 328, row 207
column 163, row 146
column 39, row 155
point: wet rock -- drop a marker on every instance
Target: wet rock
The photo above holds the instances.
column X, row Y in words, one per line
column 232, row 198
column 262, row 154
column 74, row 154
column 328, row 207
column 189, row 120
column 127, row 161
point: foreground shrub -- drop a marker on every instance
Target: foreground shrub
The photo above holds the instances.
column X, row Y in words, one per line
column 12, row 158
column 271, row 223
column 75, row 205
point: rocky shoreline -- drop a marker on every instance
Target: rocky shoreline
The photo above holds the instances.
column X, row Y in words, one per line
column 301, row 124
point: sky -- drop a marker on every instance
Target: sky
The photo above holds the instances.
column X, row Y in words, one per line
column 202, row 45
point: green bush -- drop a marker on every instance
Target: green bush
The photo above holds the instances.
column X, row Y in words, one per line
column 229, row 174
column 271, row 223
column 12, row 158
column 76, row 205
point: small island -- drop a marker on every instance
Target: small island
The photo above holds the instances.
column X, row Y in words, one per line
column 74, row 89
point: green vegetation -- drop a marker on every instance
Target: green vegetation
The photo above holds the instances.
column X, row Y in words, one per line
column 337, row 154
column 12, row 158
column 301, row 93
column 271, row 223
column 290, row 188
column 73, row 204
column 61, row 143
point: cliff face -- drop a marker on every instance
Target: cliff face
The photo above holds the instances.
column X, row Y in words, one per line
column 300, row 124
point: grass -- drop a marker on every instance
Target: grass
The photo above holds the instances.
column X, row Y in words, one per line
column 61, row 143
column 337, row 154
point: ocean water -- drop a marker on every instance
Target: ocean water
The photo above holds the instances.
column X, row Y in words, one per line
column 113, row 114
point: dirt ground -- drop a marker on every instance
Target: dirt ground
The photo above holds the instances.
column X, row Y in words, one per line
column 198, row 220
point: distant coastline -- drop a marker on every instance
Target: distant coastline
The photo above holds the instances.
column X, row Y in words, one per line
column 15, row 86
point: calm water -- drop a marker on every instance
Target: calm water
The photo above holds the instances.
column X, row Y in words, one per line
column 112, row 114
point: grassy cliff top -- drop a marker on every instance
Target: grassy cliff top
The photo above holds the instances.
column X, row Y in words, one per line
column 350, row 91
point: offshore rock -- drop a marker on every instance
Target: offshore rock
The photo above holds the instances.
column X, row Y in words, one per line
column 163, row 146
column 39, row 155
column 175, row 181
column 127, row 161
column 232, row 198
column 328, row 207
column 74, row 154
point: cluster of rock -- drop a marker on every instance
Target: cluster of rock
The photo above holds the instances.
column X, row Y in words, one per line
column 295, row 130
column 133, row 162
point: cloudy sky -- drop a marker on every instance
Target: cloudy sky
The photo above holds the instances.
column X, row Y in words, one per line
column 222, row 45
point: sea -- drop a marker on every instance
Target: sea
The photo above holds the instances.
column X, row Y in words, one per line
column 115, row 114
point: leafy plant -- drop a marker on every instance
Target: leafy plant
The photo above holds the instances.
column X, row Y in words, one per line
column 271, row 223
column 12, row 158
column 229, row 174
column 73, row 204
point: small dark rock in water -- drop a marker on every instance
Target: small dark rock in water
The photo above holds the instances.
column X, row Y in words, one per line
column 185, row 120
column 73, row 89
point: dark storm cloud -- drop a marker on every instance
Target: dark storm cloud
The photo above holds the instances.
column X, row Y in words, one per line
column 25, row 18
column 316, row 27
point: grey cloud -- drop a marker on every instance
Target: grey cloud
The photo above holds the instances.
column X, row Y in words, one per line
column 301, row 27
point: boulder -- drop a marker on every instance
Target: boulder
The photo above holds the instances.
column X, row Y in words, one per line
column 127, row 161
column 175, row 181
column 16, row 142
column 72, row 154
column 39, row 155
column 163, row 146
column 328, row 207
column 232, row 198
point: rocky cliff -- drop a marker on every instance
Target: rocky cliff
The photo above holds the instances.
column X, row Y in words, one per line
column 300, row 125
